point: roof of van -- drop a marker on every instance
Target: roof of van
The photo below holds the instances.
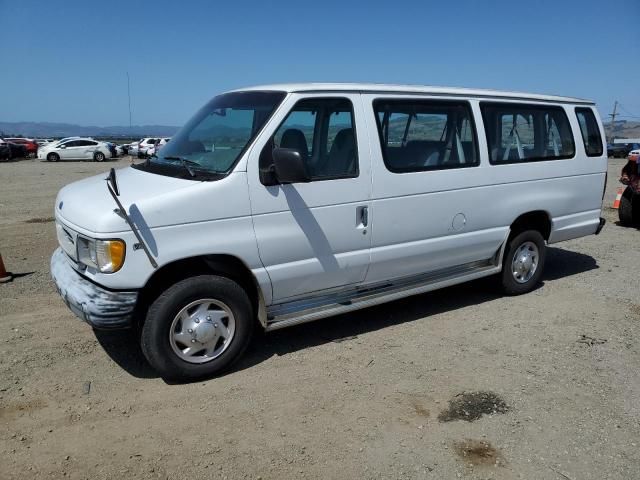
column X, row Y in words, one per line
column 414, row 89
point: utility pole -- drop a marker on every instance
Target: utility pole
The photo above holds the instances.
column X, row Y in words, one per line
column 613, row 119
column 129, row 97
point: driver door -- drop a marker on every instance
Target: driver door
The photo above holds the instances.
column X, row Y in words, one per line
column 314, row 237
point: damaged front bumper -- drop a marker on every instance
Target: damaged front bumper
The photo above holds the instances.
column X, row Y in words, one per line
column 101, row 308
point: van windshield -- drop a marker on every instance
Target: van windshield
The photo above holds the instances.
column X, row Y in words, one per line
column 215, row 138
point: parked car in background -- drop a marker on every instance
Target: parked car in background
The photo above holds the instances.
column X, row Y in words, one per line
column 621, row 150
column 5, row 150
column 75, row 149
column 44, row 141
column 17, row 149
column 144, row 145
column 113, row 148
column 153, row 150
column 30, row 145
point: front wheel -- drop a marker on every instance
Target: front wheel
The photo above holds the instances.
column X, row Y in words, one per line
column 53, row 157
column 99, row 157
column 523, row 262
column 197, row 328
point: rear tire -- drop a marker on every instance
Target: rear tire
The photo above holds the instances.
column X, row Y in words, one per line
column 183, row 318
column 53, row 157
column 523, row 262
column 99, row 157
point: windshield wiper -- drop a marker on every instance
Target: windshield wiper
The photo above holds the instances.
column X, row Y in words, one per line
column 185, row 163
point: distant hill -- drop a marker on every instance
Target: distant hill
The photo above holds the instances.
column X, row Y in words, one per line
column 46, row 129
column 624, row 129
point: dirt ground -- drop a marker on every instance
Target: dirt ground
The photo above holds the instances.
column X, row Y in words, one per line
column 458, row 383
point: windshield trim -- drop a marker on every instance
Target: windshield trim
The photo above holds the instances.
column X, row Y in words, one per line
column 205, row 175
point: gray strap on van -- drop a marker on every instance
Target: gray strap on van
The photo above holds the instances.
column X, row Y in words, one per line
column 514, row 135
column 461, row 158
column 556, row 150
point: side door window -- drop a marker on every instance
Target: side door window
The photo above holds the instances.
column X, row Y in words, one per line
column 423, row 135
column 526, row 132
column 322, row 130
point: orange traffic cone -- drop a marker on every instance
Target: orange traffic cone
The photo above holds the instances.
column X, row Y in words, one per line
column 616, row 202
column 4, row 275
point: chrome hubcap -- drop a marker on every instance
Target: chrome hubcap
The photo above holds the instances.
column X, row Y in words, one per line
column 525, row 262
column 202, row 331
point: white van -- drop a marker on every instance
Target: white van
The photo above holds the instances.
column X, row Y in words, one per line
column 282, row 204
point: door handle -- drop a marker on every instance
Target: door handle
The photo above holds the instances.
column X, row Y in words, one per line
column 363, row 216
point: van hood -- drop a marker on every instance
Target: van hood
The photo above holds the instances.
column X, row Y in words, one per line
column 87, row 203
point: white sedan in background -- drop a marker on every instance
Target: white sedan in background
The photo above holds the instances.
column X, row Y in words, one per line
column 75, row 149
column 153, row 149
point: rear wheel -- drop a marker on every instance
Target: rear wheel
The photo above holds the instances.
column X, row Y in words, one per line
column 53, row 157
column 99, row 157
column 197, row 328
column 523, row 262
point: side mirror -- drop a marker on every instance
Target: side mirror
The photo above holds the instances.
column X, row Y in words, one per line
column 62, row 146
column 290, row 166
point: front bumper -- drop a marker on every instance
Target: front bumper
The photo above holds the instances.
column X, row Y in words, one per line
column 101, row 308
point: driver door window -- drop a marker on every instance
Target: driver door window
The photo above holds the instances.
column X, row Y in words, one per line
column 322, row 130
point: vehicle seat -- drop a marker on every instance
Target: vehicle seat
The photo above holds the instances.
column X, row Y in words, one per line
column 342, row 156
column 295, row 139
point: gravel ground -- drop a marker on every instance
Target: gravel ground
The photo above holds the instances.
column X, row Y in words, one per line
column 458, row 383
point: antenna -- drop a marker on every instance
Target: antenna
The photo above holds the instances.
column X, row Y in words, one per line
column 129, row 97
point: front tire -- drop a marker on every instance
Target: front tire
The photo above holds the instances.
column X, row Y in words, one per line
column 197, row 328
column 523, row 262
column 99, row 157
column 53, row 157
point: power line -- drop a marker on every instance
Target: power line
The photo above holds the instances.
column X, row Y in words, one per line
column 629, row 114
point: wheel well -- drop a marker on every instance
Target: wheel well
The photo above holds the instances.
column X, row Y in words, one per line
column 538, row 220
column 224, row 265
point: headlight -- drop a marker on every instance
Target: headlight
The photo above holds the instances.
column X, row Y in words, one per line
column 105, row 255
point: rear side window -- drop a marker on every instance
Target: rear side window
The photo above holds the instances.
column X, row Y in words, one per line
column 590, row 132
column 421, row 135
column 526, row 133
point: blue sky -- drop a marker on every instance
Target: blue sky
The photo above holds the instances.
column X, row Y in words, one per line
column 66, row 61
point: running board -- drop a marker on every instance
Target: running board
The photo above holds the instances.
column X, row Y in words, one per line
column 310, row 309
